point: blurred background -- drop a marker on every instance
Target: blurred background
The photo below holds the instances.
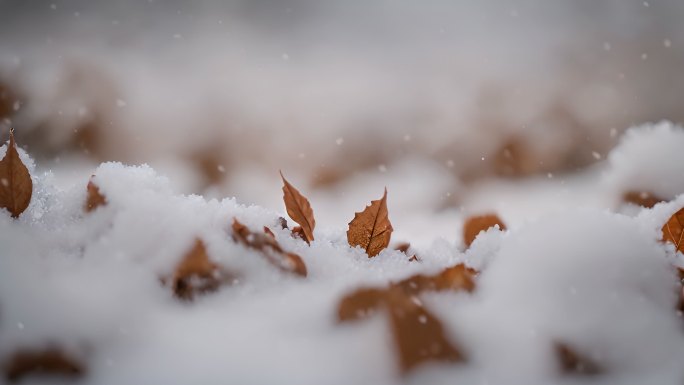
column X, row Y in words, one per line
column 430, row 98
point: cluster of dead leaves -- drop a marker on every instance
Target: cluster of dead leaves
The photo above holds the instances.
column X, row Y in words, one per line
column 418, row 334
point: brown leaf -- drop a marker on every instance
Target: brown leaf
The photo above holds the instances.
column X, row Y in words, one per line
column 95, row 198
column 298, row 232
column 371, row 228
column 196, row 273
column 642, row 198
column 474, row 225
column 673, row 230
column 403, row 247
column 571, row 362
column 51, row 361
column 16, row 186
column 299, row 209
column 268, row 232
column 418, row 335
column 269, row 248
column 360, row 304
column 454, row 278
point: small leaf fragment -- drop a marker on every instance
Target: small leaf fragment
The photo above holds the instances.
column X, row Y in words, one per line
column 673, row 230
column 371, row 228
column 474, row 225
column 299, row 209
column 268, row 247
column 51, row 361
column 573, row 363
column 16, row 186
column 95, row 198
column 196, row 273
column 403, row 247
column 642, row 198
column 418, row 335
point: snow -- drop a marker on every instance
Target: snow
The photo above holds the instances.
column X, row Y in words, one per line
column 649, row 158
column 596, row 279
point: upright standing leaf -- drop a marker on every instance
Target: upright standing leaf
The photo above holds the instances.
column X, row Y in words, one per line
column 673, row 230
column 299, row 209
column 371, row 228
column 16, row 186
column 474, row 225
column 95, row 198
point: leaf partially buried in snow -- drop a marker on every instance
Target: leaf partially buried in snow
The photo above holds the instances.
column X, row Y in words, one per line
column 673, row 230
column 268, row 247
column 95, row 198
column 573, row 363
column 299, row 209
column 642, row 198
column 474, row 225
column 16, row 186
column 51, row 361
column 196, row 273
column 371, row 228
column 418, row 335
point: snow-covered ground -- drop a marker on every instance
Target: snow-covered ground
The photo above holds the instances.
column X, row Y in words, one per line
column 576, row 266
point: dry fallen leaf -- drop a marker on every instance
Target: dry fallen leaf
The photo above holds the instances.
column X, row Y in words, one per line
column 418, row 335
column 47, row 362
column 474, row 225
column 642, row 198
column 673, row 230
column 196, row 273
column 371, row 228
column 299, row 209
column 571, row 362
column 403, row 247
column 363, row 301
column 95, row 198
column 360, row 304
column 16, row 186
column 458, row 277
column 269, row 248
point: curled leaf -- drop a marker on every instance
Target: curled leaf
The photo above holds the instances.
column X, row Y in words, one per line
column 673, row 230
column 418, row 335
column 299, row 209
column 642, row 198
column 16, row 186
column 95, row 198
column 474, row 225
column 269, row 248
column 573, row 363
column 196, row 273
column 41, row 362
column 371, row 228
